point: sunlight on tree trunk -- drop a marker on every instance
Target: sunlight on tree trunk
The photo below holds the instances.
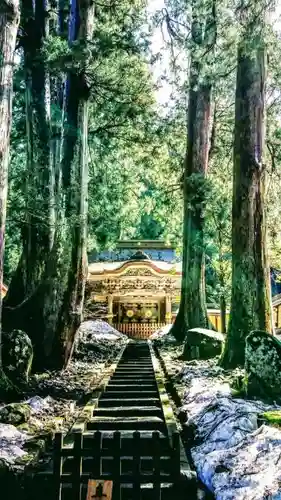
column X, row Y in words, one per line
column 251, row 298
column 192, row 311
column 76, row 173
column 46, row 295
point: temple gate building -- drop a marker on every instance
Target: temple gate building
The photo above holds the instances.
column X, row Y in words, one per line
column 137, row 287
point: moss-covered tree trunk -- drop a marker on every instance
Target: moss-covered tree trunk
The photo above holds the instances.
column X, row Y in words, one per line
column 192, row 311
column 36, row 231
column 251, row 300
column 9, row 21
column 24, row 303
column 75, row 182
column 52, row 312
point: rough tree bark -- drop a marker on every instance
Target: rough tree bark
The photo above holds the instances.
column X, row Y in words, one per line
column 251, row 298
column 9, row 21
column 192, row 311
column 75, row 180
column 37, row 233
column 52, row 312
column 23, row 304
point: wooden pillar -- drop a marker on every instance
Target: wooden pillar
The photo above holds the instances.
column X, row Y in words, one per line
column 110, row 308
column 168, row 309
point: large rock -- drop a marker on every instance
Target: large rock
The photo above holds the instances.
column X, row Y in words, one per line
column 96, row 340
column 263, row 366
column 201, row 343
column 17, row 355
column 15, row 413
column 233, row 457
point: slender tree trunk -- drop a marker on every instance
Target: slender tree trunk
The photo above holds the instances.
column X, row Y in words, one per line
column 251, row 298
column 192, row 311
column 76, row 182
column 9, row 21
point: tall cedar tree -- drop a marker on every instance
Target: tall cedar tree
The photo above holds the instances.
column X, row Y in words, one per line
column 46, row 294
column 251, row 300
column 36, row 230
column 9, row 21
column 192, row 311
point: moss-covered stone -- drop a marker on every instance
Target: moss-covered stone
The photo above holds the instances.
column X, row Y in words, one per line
column 34, row 449
column 271, row 417
column 17, row 355
column 15, row 414
column 201, row 343
column 32, row 427
column 263, row 366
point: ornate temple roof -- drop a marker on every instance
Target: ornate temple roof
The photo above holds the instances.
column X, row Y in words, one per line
column 157, row 250
column 118, row 267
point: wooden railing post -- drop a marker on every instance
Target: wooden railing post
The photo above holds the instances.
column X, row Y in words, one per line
column 136, row 466
column 97, row 444
column 57, row 465
column 156, row 465
column 77, row 465
column 176, row 464
column 117, row 465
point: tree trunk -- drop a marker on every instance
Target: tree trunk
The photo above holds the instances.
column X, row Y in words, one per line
column 76, row 181
column 9, row 21
column 36, row 233
column 251, row 299
column 192, row 311
column 52, row 311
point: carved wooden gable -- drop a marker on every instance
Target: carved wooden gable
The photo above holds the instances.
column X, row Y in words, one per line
column 136, row 278
column 138, row 271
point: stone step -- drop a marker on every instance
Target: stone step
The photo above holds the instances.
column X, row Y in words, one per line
column 135, row 363
column 129, row 411
column 132, row 362
column 126, row 384
column 106, row 403
column 130, row 387
column 134, row 373
column 135, row 368
column 128, row 423
column 133, row 376
column 113, row 394
column 117, row 379
column 138, row 371
column 129, row 381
